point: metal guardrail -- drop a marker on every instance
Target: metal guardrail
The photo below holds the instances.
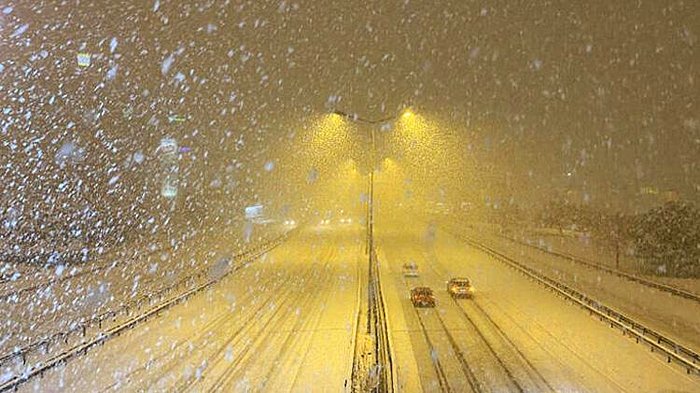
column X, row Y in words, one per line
column 373, row 370
column 247, row 256
column 674, row 351
column 382, row 342
column 357, row 337
column 83, row 347
column 124, row 308
column 19, row 291
column 650, row 283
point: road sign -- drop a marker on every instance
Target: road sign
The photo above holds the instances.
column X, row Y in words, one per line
column 84, row 59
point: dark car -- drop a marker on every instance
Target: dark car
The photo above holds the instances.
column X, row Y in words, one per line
column 422, row 297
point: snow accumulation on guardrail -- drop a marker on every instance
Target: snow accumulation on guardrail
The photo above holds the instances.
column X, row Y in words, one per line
column 632, row 277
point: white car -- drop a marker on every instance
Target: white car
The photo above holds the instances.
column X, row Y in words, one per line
column 410, row 269
column 460, row 288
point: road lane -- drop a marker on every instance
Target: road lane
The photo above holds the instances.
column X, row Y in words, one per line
column 407, row 338
column 468, row 360
column 80, row 292
column 283, row 323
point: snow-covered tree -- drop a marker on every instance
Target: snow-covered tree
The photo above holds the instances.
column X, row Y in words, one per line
column 667, row 238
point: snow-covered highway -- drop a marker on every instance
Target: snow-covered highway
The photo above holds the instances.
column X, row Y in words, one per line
column 287, row 322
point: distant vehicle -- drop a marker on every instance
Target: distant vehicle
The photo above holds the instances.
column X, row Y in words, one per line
column 422, row 297
column 168, row 190
column 325, row 221
column 346, row 220
column 290, row 223
column 253, row 212
column 410, row 269
column 460, row 288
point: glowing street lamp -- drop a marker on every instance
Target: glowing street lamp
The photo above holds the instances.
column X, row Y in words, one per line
column 371, row 261
column 406, row 114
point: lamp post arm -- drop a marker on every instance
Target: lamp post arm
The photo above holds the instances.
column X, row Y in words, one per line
column 355, row 117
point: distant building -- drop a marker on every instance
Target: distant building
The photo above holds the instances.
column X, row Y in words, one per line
column 169, row 167
column 670, row 196
column 650, row 197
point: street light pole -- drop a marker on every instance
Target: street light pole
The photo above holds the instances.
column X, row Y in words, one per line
column 360, row 119
column 375, row 310
column 373, row 163
column 370, row 241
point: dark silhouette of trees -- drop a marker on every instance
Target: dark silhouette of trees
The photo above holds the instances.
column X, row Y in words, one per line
column 667, row 239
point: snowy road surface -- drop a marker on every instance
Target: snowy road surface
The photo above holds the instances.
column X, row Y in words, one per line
column 55, row 298
column 675, row 317
column 285, row 323
column 513, row 336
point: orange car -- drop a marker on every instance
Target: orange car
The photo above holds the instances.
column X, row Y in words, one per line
column 422, row 297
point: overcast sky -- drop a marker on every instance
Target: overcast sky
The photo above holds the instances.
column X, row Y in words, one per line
column 598, row 96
